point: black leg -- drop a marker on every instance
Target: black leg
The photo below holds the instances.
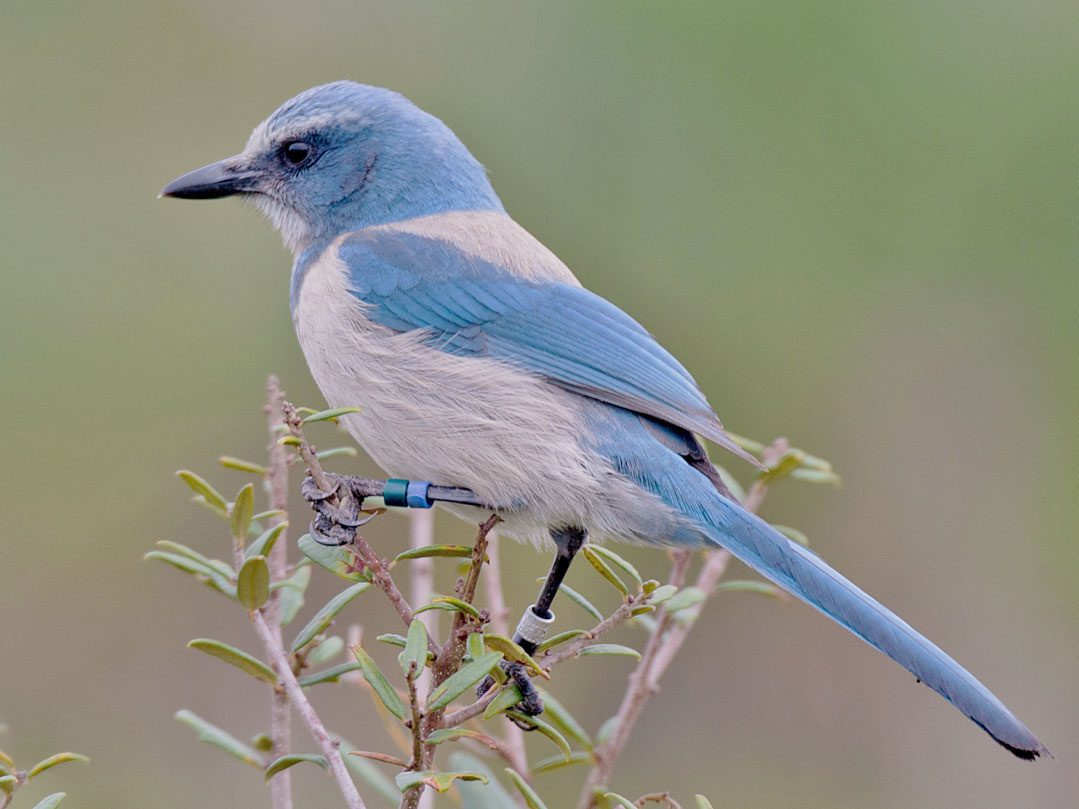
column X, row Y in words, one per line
column 569, row 541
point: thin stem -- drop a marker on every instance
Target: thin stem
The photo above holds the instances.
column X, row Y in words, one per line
column 277, row 487
column 331, row 748
column 422, row 576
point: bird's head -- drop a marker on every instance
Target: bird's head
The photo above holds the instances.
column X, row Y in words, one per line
column 341, row 157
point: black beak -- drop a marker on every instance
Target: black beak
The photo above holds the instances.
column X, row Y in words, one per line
column 221, row 179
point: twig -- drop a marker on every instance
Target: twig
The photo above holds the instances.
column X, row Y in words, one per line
column 664, row 645
column 277, row 487
column 414, row 796
column 331, row 748
column 552, row 658
column 422, row 577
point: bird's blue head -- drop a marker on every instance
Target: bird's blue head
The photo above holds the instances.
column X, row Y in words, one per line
column 344, row 156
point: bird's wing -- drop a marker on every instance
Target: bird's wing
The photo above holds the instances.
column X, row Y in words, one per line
column 570, row 336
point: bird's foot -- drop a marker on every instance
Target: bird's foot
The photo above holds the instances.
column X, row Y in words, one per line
column 530, row 705
column 338, row 511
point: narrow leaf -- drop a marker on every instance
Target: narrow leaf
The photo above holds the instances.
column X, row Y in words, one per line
column 513, row 652
column 460, row 551
column 242, row 512
column 6, row 781
column 291, row 595
column 474, row 645
column 625, row 803
column 557, row 714
column 52, row 761
column 253, row 583
column 438, row 781
column 283, row 763
column 264, row 544
column 414, row 657
column 702, row 802
column 211, row 734
column 601, row 567
column 818, row 476
column 509, row 696
column 545, row 729
column 370, row 774
column 326, row 650
column 379, row 684
column 619, row 562
column 330, row 675
column 326, row 615
column 50, row 801
column 560, row 638
column 336, row 452
column 662, row 593
column 221, row 568
column 450, row 604
column 330, row 415
column 452, row 734
column 393, row 639
column 200, row 571
column 532, row 800
column 475, row 795
column 208, row 493
column 580, row 601
column 240, row 465
column 460, row 681
column 233, row 656
column 339, row 560
column 558, row 762
column 685, row 598
column 748, row 586
column 610, row 649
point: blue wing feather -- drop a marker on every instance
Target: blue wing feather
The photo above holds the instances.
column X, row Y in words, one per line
column 569, row 335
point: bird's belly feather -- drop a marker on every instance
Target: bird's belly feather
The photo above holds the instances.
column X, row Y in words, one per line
column 507, row 434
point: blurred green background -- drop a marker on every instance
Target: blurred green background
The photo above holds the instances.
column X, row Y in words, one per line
column 856, row 222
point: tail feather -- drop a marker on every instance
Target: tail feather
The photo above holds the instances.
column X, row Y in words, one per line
column 806, row 576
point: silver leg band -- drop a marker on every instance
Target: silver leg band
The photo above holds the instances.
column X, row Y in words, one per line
column 533, row 628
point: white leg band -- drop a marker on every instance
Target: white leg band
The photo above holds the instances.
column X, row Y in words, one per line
column 533, row 628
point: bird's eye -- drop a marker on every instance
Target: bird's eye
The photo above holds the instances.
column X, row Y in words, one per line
column 297, row 152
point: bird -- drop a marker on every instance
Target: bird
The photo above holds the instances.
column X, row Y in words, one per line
column 481, row 363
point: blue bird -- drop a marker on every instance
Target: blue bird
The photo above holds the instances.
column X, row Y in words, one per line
column 482, row 363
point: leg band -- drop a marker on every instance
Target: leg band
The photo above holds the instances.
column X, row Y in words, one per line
column 533, row 628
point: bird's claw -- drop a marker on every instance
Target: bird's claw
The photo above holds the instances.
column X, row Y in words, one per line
column 530, row 705
column 334, row 524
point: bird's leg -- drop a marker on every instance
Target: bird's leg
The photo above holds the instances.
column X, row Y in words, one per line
column 538, row 618
column 339, row 511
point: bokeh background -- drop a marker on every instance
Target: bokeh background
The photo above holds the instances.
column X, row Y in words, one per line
column 856, row 222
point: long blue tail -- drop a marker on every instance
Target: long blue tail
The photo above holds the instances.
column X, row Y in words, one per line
column 805, row 575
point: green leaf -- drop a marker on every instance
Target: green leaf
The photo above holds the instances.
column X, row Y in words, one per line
column 50, row 801
column 561, row 637
column 618, row 562
column 474, row 645
column 460, row 551
column 393, row 639
column 264, row 544
column 438, row 781
column 609, row 650
column 208, row 493
column 748, row 586
column 330, row 675
column 460, row 681
column 326, row 651
column 662, row 593
column 233, row 656
column 532, row 800
column 211, row 734
column 452, row 734
column 330, row 415
column 339, row 560
column 748, row 444
column 787, row 463
column 242, row 512
column 509, row 696
column 557, row 714
column 580, row 601
column 200, row 571
column 240, row 465
column 684, row 599
column 818, row 476
column 475, row 795
column 558, row 762
column 6, row 781
column 512, row 651
column 283, row 763
column 545, row 729
column 253, row 583
column 262, row 743
column 291, row 595
column 52, row 761
column 326, row 615
column 793, row 534
column 265, row 515
column 370, row 773
column 601, row 567
column 625, row 803
column 450, row 604
column 414, row 657
column 379, row 684
column 336, row 452
column 702, row 802
column 222, row 569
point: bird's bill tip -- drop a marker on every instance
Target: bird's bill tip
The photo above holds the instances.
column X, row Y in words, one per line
column 222, row 179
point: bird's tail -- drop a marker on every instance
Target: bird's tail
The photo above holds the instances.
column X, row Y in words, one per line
column 807, row 576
